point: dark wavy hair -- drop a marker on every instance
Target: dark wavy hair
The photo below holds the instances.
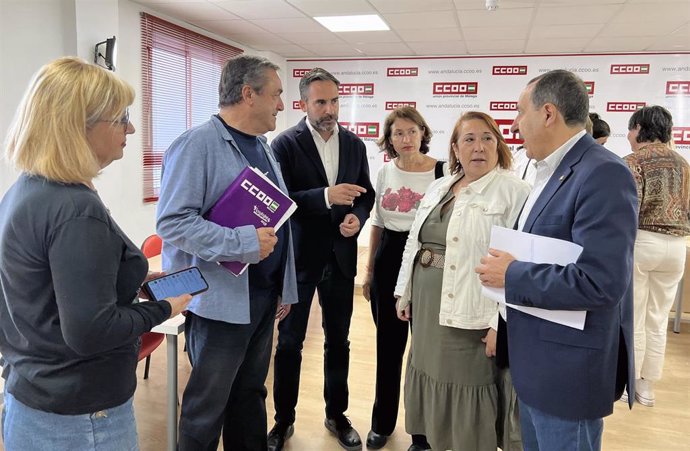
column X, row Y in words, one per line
column 505, row 159
column 411, row 114
column 655, row 123
column 600, row 129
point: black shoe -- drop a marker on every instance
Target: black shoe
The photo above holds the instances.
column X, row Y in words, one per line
column 279, row 435
column 376, row 441
column 348, row 438
column 415, row 447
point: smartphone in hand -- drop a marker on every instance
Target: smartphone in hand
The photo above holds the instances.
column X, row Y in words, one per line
column 188, row 280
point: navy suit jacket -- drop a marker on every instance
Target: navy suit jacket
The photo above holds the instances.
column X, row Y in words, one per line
column 590, row 200
column 315, row 226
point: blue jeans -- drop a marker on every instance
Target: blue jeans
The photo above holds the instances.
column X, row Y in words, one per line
column 24, row 428
column 544, row 432
column 226, row 390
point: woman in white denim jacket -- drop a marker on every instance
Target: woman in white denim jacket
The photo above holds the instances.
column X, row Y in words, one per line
column 453, row 392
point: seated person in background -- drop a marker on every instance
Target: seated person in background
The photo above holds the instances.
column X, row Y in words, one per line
column 400, row 186
column 663, row 190
column 69, row 275
column 454, row 393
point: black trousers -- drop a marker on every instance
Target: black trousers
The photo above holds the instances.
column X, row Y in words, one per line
column 226, row 386
column 335, row 298
column 391, row 333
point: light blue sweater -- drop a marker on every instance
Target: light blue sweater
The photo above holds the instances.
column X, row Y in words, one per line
column 197, row 168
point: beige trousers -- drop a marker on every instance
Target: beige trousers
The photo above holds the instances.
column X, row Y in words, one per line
column 659, row 266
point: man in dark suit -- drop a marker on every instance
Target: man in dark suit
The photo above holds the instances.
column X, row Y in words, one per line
column 327, row 174
column 568, row 379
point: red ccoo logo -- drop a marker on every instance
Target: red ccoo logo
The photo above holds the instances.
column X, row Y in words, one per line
column 295, row 105
column 399, row 104
column 590, row 87
column 630, row 69
column 502, row 106
column 677, row 88
column 624, row 107
column 299, row 73
column 509, row 70
column 456, row 88
column 402, row 71
column 363, row 129
column 510, row 137
column 681, row 135
column 356, row 89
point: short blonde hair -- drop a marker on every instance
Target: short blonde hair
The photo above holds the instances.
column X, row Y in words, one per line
column 48, row 134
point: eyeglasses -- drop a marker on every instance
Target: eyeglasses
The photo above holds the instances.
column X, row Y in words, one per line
column 399, row 134
column 124, row 120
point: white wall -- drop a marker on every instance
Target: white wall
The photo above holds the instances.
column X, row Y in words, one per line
column 34, row 32
column 24, row 49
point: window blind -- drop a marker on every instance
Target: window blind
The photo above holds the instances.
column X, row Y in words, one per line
column 180, row 74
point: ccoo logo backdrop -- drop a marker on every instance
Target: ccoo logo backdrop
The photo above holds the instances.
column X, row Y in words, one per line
column 443, row 88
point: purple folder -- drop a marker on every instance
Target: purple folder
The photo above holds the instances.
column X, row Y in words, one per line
column 251, row 199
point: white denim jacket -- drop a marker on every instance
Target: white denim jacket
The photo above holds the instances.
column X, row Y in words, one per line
column 495, row 199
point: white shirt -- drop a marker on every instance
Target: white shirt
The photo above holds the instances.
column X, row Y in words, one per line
column 523, row 166
column 329, row 151
column 545, row 170
column 398, row 194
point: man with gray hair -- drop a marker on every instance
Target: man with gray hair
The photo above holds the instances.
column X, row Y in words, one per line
column 568, row 379
column 229, row 328
column 327, row 173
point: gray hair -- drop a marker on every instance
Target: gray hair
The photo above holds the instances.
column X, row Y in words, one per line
column 240, row 71
column 566, row 91
column 316, row 74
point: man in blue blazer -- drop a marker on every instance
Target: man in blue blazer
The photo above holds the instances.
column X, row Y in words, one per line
column 568, row 379
column 327, row 174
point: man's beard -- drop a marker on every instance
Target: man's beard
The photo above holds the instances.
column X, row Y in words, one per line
column 319, row 124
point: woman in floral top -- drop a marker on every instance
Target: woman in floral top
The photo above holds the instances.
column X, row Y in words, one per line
column 400, row 186
column 663, row 191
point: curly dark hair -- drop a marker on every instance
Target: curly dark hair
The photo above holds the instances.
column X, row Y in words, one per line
column 656, row 123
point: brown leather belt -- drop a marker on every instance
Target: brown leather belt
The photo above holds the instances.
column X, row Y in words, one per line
column 430, row 257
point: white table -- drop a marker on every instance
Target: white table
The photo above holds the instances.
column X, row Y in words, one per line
column 172, row 328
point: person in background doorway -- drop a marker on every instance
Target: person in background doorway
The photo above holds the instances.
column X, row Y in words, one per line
column 454, row 393
column 400, row 187
column 663, row 189
column 69, row 276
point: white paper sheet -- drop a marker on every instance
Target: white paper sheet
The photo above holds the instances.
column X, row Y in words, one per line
column 527, row 247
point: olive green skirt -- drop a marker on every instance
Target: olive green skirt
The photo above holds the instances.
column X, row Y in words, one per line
column 454, row 394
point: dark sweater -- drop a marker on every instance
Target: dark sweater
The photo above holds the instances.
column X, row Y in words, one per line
column 68, row 276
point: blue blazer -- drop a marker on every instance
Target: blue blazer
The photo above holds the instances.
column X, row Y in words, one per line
column 315, row 226
column 590, row 200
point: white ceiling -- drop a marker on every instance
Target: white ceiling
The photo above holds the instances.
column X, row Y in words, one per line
column 443, row 27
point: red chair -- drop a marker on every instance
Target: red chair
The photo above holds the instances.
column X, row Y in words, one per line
column 152, row 246
column 150, row 340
